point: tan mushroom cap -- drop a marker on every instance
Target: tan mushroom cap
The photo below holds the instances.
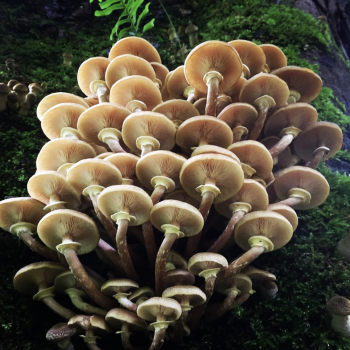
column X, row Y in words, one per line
column 254, row 154
column 173, row 212
column 288, row 212
column 302, row 80
column 169, row 309
column 339, row 306
column 99, row 150
column 69, row 226
column 275, row 58
column 251, row 192
column 268, row 224
column 177, row 83
column 200, row 105
column 94, row 322
column 212, row 149
column 239, row 114
column 23, row 209
column 213, row 56
column 118, row 285
column 64, row 281
column 151, row 124
column 238, row 280
column 99, row 117
column 61, row 151
column 185, row 295
column 135, row 46
column 128, row 199
column 105, row 155
column 61, row 116
column 117, row 317
column 54, row 99
column 177, row 110
column 50, row 185
column 320, row 134
column 198, row 131
column 299, row 115
column 160, row 70
column 125, row 162
column 159, row 163
column 264, row 84
column 91, row 101
column 40, row 274
column 143, row 292
column 221, row 171
column 127, row 65
column 234, row 90
column 205, row 261
column 89, row 172
column 178, row 277
column 164, row 90
column 258, row 276
column 251, row 55
column 176, row 259
column 135, row 87
column 91, row 70
column 304, row 178
column 285, row 157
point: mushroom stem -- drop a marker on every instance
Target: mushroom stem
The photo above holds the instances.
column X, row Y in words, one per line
column 81, row 305
column 57, row 308
column 123, row 250
column 263, row 107
column 125, row 335
column 237, row 135
column 226, row 235
column 158, row 193
column 125, row 302
column 146, row 149
column 114, row 145
column 213, row 89
column 292, row 201
column 281, row 145
column 111, row 256
column 85, row 281
column 158, row 339
column 101, row 93
column 150, row 243
column 316, row 159
column 191, row 98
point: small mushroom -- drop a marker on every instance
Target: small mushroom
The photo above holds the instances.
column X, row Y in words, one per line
column 61, row 334
column 339, row 308
column 67, row 58
column 192, row 32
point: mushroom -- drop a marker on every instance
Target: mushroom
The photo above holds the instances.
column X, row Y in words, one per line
column 286, row 211
column 234, row 90
column 175, row 260
column 212, row 149
column 275, row 58
column 283, row 159
column 140, row 295
column 12, row 100
column 21, row 91
column 161, row 73
column 339, row 308
column 67, row 58
column 4, row 91
column 192, row 32
column 126, row 164
column 178, row 87
column 61, row 334
column 177, row 277
column 23, row 111
column 35, row 89
column 11, row 83
column 200, row 105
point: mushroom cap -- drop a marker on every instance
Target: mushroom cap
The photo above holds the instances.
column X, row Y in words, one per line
column 46, row 184
column 60, row 116
column 258, row 277
column 288, row 212
column 269, row 224
column 225, row 172
column 251, row 192
column 127, row 65
column 54, row 99
column 160, row 70
column 234, row 90
column 237, row 114
column 212, row 149
column 302, row 80
column 28, row 279
column 251, row 55
column 264, row 84
column 254, row 154
column 20, row 88
column 91, row 101
column 275, row 58
column 96, row 118
column 177, row 110
column 184, row 215
column 116, row 318
column 60, row 151
column 299, row 115
column 4, row 89
column 176, row 259
column 94, row 322
column 169, row 309
column 200, row 105
column 125, row 162
column 305, row 178
column 143, row 292
column 205, row 261
column 339, row 306
column 136, row 46
column 164, row 89
column 177, row 83
column 126, row 198
column 159, row 163
column 213, row 56
column 285, row 157
column 91, row 70
column 316, row 135
column 23, row 209
column 192, row 294
column 135, row 87
column 106, row 155
column 242, row 282
column 64, row 281
column 178, row 277
column 211, row 130
column 118, row 285
column 69, row 224
column 60, row 331
column 148, row 124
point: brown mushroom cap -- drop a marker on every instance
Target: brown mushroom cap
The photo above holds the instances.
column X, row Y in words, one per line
column 143, row 292
column 234, row 90
column 118, row 285
column 287, row 212
column 258, row 277
column 168, row 308
column 54, row 99
column 69, row 225
column 135, row 87
column 251, row 55
column 160, row 70
column 201, row 130
column 60, row 116
column 221, row 171
column 23, row 209
column 206, row 261
column 239, row 281
column 59, row 332
column 40, row 274
column 177, row 83
column 212, row 149
column 173, row 212
column 178, row 277
column 126, row 198
column 251, row 192
column 339, row 306
column 185, row 295
column 304, row 178
column 275, row 58
column 91, row 70
column 125, row 162
column 135, row 46
column 317, row 135
column 116, row 318
column 268, row 224
column 176, row 259
column 127, row 65
column 213, row 56
column 302, row 80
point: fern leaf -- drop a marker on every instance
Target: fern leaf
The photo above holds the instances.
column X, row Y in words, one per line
column 133, row 9
column 148, row 26
column 143, row 14
column 104, row 4
column 108, row 11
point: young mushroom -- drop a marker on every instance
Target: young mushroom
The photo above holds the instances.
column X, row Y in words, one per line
column 275, row 58
column 339, row 308
column 61, row 334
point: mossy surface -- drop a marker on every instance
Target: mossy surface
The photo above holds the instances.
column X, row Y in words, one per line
column 308, row 269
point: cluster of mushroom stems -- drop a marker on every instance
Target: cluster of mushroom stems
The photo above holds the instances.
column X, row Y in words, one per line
column 142, row 171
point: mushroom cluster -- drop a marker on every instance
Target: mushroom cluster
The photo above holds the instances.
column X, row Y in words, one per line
column 140, row 170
